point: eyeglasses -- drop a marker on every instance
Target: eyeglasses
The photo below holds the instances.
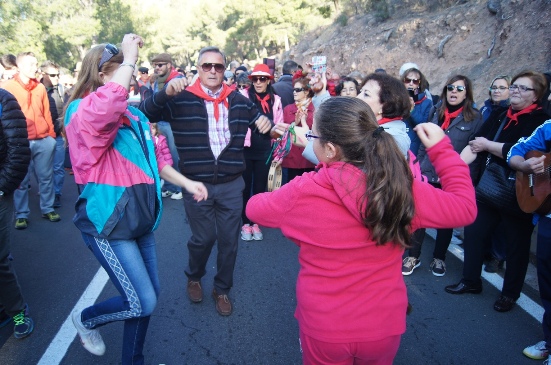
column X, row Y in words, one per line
column 298, row 89
column 520, row 88
column 414, row 81
column 262, row 79
column 218, row 67
column 160, row 64
column 109, row 51
column 310, row 137
column 458, row 87
column 53, row 75
column 242, row 86
column 500, row 88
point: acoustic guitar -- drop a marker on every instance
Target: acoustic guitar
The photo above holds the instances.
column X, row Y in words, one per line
column 534, row 190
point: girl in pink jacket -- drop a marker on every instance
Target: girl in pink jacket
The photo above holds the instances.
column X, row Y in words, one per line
column 160, row 143
column 352, row 219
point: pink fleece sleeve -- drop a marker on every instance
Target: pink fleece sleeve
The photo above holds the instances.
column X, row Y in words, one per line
column 452, row 206
column 97, row 120
column 269, row 209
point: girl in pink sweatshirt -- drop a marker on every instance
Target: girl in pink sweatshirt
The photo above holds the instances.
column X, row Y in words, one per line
column 160, row 143
column 351, row 296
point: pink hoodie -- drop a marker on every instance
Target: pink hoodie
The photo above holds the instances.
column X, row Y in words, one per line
column 349, row 289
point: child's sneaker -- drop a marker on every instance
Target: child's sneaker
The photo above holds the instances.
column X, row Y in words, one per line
column 257, row 233
column 246, row 232
column 90, row 339
column 23, row 324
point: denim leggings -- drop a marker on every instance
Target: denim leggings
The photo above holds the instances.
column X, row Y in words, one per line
column 132, row 267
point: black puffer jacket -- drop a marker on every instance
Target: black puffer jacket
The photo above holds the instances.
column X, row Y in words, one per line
column 15, row 153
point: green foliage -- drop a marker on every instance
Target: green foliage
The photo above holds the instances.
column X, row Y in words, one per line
column 325, row 11
column 342, row 19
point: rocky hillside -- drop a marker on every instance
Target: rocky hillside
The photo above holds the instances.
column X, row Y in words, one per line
column 480, row 39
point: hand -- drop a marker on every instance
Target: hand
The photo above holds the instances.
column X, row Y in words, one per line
column 478, row 144
column 279, row 129
column 534, row 165
column 129, row 47
column 176, row 86
column 198, row 190
column 263, row 124
column 429, row 134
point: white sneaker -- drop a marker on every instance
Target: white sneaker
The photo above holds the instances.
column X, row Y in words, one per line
column 537, row 351
column 177, row 196
column 166, row 194
column 409, row 264
column 90, row 339
column 257, row 233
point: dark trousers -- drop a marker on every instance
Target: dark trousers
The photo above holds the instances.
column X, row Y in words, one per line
column 11, row 300
column 215, row 220
column 517, row 232
column 543, row 254
column 443, row 239
column 256, row 179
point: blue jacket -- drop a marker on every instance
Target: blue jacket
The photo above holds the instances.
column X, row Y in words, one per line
column 489, row 107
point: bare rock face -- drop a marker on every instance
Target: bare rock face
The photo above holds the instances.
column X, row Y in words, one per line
column 444, row 40
column 494, row 6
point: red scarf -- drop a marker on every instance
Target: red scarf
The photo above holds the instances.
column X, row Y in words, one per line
column 448, row 117
column 264, row 103
column 197, row 90
column 420, row 101
column 514, row 117
column 386, row 120
column 29, row 87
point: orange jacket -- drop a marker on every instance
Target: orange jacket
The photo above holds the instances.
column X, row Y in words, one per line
column 39, row 119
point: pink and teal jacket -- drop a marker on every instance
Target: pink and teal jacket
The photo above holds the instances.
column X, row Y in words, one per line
column 116, row 163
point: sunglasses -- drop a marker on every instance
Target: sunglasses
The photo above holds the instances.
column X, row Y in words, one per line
column 414, row 81
column 53, row 75
column 160, row 64
column 143, row 72
column 262, row 79
column 458, row 87
column 109, row 51
column 298, row 89
column 243, row 86
column 218, row 67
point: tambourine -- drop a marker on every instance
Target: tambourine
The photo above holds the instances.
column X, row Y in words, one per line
column 274, row 176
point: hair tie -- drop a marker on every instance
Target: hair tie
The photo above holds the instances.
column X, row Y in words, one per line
column 377, row 132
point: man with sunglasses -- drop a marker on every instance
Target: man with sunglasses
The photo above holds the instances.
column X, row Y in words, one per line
column 50, row 80
column 164, row 71
column 33, row 99
column 210, row 122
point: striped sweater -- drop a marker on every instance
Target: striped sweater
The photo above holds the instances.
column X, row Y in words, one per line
column 187, row 115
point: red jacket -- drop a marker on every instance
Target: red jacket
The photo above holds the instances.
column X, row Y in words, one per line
column 294, row 159
column 349, row 289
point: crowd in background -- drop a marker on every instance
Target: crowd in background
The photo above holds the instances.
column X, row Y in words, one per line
column 485, row 134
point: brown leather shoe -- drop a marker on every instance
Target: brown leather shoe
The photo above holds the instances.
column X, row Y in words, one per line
column 194, row 291
column 223, row 304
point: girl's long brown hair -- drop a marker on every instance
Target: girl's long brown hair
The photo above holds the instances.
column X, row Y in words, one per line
column 387, row 205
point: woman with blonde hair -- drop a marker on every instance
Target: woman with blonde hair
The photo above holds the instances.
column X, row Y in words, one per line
column 118, row 170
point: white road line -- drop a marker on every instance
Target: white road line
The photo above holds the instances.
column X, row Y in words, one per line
column 531, row 307
column 66, row 334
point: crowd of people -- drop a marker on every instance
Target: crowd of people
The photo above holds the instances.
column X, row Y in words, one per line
column 379, row 157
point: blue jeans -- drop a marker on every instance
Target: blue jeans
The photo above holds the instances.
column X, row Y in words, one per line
column 166, row 130
column 543, row 255
column 42, row 159
column 132, row 267
column 59, row 165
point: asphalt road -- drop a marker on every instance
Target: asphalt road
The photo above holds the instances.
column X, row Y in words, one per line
column 54, row 269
